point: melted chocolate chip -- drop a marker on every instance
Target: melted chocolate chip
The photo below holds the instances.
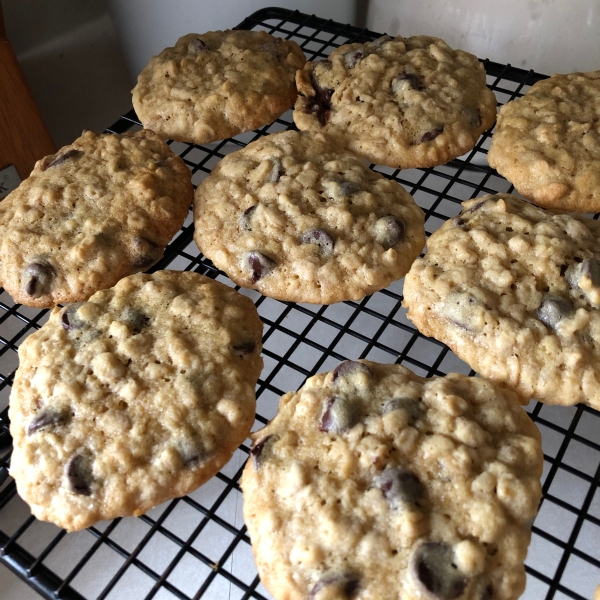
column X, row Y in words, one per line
column 135, row 319
column 554, row 309
column 433, row 570
column 472, row 117
column 475, row 207
column 69, row 319
column 257, row 450
column 197, row 45
column 414, row 408
column 584, row 275
column 47, row 417
column 347, row 584
column 246, row 218
column 319, row 237
column 405, row 81
column 353, row 57
column 339, row 415
column 349, row 367
column 458, row 222
column 59, row 159
column 147, row 252
column 244, row 348
column 275, row 48
column 320, row 103
column 37, row 278
column 277, row 170
column 400, row 485
column 389, row 231
column 259, row 265
column 431, row 134
column 79, row 474
column 380, row 41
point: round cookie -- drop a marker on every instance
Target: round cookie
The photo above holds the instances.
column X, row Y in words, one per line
column 297, row 218
column 401, row 102
column 547, row 143
column 372, row 482
column 100, row 209
column 139, row 395
column 514, row 290
column 215, row 85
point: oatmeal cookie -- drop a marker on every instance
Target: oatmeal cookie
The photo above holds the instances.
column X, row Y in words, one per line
column 215, row 85
column 401, row 102
column 372, row 482
column 514, row 290
column 139, row 395
column 297, row 218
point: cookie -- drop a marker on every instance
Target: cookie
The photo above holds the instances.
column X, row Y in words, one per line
column 215, row 85
column 372, row 482
column 139, row 395
column 401, row 102
column 100, row 209
column 547, row 143
column 514, row 290
column 297, row 218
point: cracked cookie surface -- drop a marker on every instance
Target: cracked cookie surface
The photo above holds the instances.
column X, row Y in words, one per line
column 139, row 395
column 297, row 218
column 401, row 102
column 214, row 85
column 547, row 143
column 99, row 209
column 514, row 290
column 372, row 482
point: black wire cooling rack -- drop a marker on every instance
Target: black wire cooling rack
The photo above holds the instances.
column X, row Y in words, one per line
column 197, row 546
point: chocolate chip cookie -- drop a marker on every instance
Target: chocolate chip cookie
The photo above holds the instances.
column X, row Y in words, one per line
column 547, row 143
column 401, row 102
column 514, row 290
column 100, row 209
column 297, row 218
column 372, row 482
column 139, row 395
column 215, row 85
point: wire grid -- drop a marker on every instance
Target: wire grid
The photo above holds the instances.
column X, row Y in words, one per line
column 197, row 546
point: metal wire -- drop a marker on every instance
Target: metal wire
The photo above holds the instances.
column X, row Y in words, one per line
column 197, row 546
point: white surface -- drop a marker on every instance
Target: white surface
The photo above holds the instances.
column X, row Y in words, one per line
column 548, row 36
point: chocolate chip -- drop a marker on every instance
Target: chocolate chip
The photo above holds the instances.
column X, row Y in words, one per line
column 197, row 45
column 347, row 584
column 380, row 41
column 475, row 207
column 277, row 170
column 339, row 415
column 433, row 570
column 405, row 81
column 458, row 222
column 389, row 231
column 320, row 103
column 147, row 252
column 347, row 188
column 586, row 272
column 349, row 367
column 353, row 57
column 472, row 117
column 246, row 218
column 414, row 408
column 275, row 48
column 135, row 319
column 554, row 309
column 79, row 474
column 319, row 237
column 464, row 310
column 69, row 318
column 257, row 450
column 431, row 134
column 37, row 278
column 59, row 159
column 259, row 264
column 191, row 452
column 244, row 348
column 47, row 417
column 400, row 485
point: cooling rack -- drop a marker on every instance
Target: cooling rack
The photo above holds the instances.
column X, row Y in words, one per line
column 197, row 546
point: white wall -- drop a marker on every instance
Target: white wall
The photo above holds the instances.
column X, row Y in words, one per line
column 549, row 36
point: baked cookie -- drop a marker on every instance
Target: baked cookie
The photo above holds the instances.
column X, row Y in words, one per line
column 139, row 395
column 514, row 290
column 547, row 143
column 100, row 209
column 401, row 102
column 215, row 85
column 297, row 218
column 372, row 482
